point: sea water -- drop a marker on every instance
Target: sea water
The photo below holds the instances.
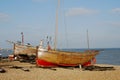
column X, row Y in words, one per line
column 109, row 56
column 106, row 56
column 6, row 52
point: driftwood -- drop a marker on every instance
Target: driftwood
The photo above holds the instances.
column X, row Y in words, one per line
column 98, row 68
column 18, row 67
column 2, row 70
column 25, row 69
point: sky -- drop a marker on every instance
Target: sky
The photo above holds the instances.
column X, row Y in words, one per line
column 37, row 20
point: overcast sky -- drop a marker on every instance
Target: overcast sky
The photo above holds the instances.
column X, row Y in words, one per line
column 37, row 19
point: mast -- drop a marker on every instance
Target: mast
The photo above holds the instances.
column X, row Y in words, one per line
column 87, row 39
column 22, row 38
column 56, row 26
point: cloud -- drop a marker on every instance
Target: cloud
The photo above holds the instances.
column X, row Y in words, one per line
column 80, row 11
column 4, row 17
column 39, row 0
column 26, row 27
column 115, row 24
column 110, row 24
column 116, row 10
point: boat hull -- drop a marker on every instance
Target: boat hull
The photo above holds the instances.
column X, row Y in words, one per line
column 22, row 49
column 56, row 58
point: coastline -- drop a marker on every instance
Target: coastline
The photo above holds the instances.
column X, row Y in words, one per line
column 58, row 73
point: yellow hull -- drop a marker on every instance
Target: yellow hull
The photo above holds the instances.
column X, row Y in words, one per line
column 66, row 58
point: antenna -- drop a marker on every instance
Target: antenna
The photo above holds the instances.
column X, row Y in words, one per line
column 87, row 39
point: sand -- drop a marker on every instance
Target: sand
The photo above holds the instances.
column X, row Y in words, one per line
column 58, row 73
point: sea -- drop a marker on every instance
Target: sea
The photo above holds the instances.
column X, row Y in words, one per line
column 109, row 56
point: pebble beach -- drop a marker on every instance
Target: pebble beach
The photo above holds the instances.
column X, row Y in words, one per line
column 58, row 73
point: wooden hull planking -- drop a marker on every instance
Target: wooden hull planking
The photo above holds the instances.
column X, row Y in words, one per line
column 65, row 58
column 22, row 49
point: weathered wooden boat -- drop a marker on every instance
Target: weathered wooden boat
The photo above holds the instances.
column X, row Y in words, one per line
column 20, row 48
column 53, row 58
column 24, row 53
column 21, row 51
column 46, row 57
column 24, row 49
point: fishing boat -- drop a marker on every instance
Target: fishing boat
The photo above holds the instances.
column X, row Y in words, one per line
column 24, row 49
column 52, row 58
column 47, row 57
column 23, row 52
